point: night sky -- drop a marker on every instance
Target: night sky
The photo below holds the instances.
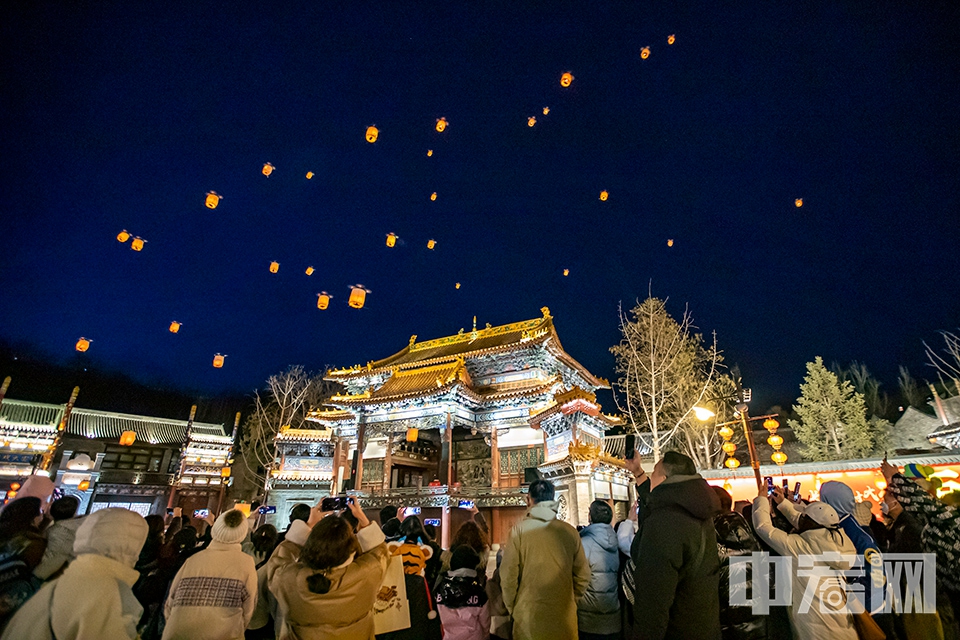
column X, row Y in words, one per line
column 122, row 115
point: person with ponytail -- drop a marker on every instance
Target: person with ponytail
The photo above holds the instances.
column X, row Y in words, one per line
column 330, row 591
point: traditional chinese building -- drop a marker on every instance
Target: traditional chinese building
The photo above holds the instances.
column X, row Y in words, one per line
column 469, row 417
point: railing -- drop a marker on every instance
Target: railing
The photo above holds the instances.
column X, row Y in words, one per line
column 443, row 490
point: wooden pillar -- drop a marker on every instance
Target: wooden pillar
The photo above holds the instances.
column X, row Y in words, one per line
column 450, row 476
column 446, row 476
column 445, row 527
column 495, row 526
column 494, row 460
column 358, row 471
column 334, row 488
column 388, row 462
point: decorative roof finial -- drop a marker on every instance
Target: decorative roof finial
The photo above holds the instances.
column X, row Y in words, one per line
column 474, row 323
column 413, row 339
column 545, row 311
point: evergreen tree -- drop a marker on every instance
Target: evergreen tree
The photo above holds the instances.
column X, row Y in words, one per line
column 833, row 423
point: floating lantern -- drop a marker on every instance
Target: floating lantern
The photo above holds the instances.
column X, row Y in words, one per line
column 323, row 300
column 391, row 239
column 429, row 152
column 546, row 110
column 433, row 196
column 309, row 271
column 127, row 438
column 531, row 121
column 671, row 39
column 798, row 203
column 645, row 53
column 358, row 295
column 84, row 485
column 268, row 169
column 731, row 463
column 174, row 327
column 123, row 236
column 218, row 361
column 83, row 344
column 670, row 242
column 441, row 124
column 431, row 244
column 729, row 448
column 212, row 200
column 456, row 286
column 779, row 457
column 372, row 134
column 137, row 244
column 412, row 434
column 603, row 196
column 566, row 79
column 274, row 267
column 566, row 272
column 309, row 175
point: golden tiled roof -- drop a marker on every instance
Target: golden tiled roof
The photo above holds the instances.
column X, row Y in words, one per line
column 413, row 382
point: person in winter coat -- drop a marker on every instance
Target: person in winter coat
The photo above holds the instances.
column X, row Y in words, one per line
column 21, row 550
column 462, row 600
column 413, row 549
column 214, row 593
column 501, row 625
column 285, row 553
column 93, row 599
column 735, row 538
column 676, row 557
column 60, row 536
column 544, row 570
column 330, row 592
column 825, row 615
column 598, row 611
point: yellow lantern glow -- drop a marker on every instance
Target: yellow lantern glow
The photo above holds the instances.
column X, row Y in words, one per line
column 225, row 472
column 566, row 79
column 84, row 485
column 726, row 432
column 309, row 271
column 645, row 53
column 770, row 424
column 775, row 441
column 412, row 434
column 731, row 463
column 433, row 196
column 546, row 110
column 779, row 457
column 372, row 134
column 358, row 295
column 881, row 484
column 566, row 272
column 429, row 152
column 123, row 236
column 174, row 327
column 391, row 239
column 127, row 438
column 441, row 124
column 457, row 286
column 798, row 203
column 431, row 244
column 218, row 361
column 603, row 196
column 268, row 169
column 309, row 175
column 531, row 121
column 137, row 244
column 274, row 267
column 670, row 242
column 323, row 300
column 83, row 344
column 671, row 39
column 212, row 199
column 729, row 448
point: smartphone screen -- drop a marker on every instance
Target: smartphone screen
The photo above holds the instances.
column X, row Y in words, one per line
column 201, row 513
column 434, row 521
column 786, row 486
column 411, row 511
column 338, row 503
column 466, row 504
column 630, row 446
column 769, row 480
column 796, row 492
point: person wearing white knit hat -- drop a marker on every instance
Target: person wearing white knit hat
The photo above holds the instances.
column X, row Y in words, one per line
column 215, row 592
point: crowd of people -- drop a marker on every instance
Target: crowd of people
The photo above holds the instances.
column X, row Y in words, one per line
column 663, row 572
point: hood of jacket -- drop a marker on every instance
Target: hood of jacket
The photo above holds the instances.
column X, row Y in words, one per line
column 688, row 493
column 839, row 496
column 117, row 534
column 734, row 532
column 602, row 534
column 546, row 510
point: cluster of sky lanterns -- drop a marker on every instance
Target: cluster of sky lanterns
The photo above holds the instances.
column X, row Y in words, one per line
column 136, row 244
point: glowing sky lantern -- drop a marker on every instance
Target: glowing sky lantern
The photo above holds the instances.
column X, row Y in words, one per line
column 175, row 327
column 274, row 267
column 566, row 79
column 431, row 244
column 323, row 300
column 372, row 134
column 123, row 236
column 268, row 169
column 433, row 196
column 218, row 361
column 798, row 203
column 603, row 196
column 429, row 152
column 212, row 200
column 391, row 240
column 127, row 438
column 671, row 39
column 358, row 295
column 670, row 242
column 309, row 271
column 309, row 175
column 83, row 344
column 645, row 53
column 456, row 286
column 441, row 124
column 546, row 110
column 566, row 272
column 531, row 121
column 137, row 244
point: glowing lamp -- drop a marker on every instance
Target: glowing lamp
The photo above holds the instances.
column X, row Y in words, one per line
column 726, row 432
column 431, row 244
column 671, row 39
column 372, row 134
column 779, row 457
column 309, row 175
column 670, row 242
column 603, row 196
column 84, row 485
column 703, row 414
column 127, row 438
column 731, row 463
column 11, row 494
column 729, row 448
column 274, row 267
column 546, row 110
column 412, row 434
column 137, row 244
column 798, row 203
column 645, row 53
column 566, row 79
column 225, row 472
column 174, row 327
column 218, row 361
column 123, row 236
column 566, row 272
column 770, row 424
column 881, row 484
column 391, row 239
column 775, row 441
column 323, row 300
column 441, row 124
column 268, row 169
column 429, row 152
column 83, row 344
column 433, row 196
column 15, row 486
column 309, row 271
column 531, row 121
column 212, row 199
column 358, row 295
column 456, row 286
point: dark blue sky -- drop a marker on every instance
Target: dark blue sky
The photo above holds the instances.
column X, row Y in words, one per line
column 119, row 115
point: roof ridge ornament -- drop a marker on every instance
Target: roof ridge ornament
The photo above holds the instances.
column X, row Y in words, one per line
column 546, row 312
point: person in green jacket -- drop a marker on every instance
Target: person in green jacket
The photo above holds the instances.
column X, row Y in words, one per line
column 544, row 571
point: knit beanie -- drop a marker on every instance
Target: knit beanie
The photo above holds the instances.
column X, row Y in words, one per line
column 230, row 527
